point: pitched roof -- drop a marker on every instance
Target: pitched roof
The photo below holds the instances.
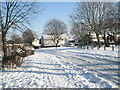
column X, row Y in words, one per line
column 64, row 36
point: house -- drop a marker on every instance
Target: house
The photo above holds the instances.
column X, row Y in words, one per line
column 47, row 41
column 0, row 41
column 71, row 42
column 111, row 39
column 118, row 38
column 94, row 38
column 36, row 43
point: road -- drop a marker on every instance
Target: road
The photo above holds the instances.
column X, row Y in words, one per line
column 64, row 68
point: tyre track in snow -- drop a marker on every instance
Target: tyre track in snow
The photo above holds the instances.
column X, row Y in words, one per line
column 93, row 65
column 85, row 77
column 74, row 76
column 45, row 70
column 54, row 69
column 67, row 69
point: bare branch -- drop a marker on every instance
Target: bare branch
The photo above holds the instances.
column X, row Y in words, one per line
column 55, row 28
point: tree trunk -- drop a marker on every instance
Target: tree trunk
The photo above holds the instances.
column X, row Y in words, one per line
column 114, row 39
column 104, row 38
column 4, row 47
column 98, row 40
column 112, row 47
column 104, row 47
column 56, row 46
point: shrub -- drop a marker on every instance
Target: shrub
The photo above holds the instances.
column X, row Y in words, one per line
column 12, row 61
column 15, row 58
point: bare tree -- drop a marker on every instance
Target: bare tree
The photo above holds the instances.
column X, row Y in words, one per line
column 55, row 28
column 15, row 39
column 112, row 22
column 93, row 14
column 79, row 30
column 28, row 36
column 14, row 15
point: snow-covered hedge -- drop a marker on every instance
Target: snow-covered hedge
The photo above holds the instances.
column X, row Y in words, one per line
column 15, row 57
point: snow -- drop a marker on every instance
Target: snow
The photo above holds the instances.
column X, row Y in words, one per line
column 36, row 42
column 65, row 67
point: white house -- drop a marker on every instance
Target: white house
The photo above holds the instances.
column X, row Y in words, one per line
column 94, row 38
column 117, row 38
column 36, row 43
column 47, row 41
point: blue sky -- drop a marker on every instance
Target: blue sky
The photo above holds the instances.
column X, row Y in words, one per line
column 59, row 10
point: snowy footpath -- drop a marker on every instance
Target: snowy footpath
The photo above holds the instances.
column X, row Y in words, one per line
column 65, row 68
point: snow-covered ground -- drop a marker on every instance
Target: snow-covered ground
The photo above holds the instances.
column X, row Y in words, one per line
column 65, row 68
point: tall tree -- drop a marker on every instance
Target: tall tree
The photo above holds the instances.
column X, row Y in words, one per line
column 28, row 36
column 112, row 21
column 93, row 14
column 79, row 30
column 14, row 14
column 15, row 39
column 55, row 28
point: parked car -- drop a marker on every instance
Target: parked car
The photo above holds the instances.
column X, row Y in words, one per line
column 70, row 45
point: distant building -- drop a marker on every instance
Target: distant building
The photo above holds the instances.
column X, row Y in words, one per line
column 47, row 41
column 118, row 38
column 36, row 43
column 71, row 42
column 94, row 38
column 109, row 37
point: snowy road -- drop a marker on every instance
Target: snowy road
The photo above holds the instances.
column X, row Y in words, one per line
column 65, row 68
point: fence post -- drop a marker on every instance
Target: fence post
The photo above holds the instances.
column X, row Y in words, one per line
column 83, row 46
column 97, row 47
column 112, row 48
column 92, row 46
column 87, row 47
column 104, row 47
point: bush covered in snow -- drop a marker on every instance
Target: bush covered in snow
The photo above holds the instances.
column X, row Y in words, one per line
column 15, row 57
